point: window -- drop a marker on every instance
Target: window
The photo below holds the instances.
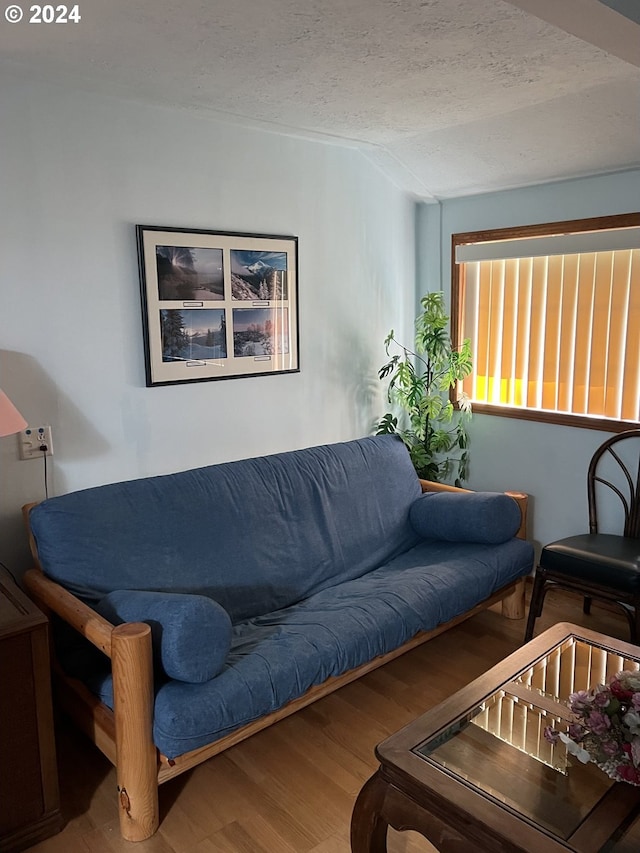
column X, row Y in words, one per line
column 553, row 314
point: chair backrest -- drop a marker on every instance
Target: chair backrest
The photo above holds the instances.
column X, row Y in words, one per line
column 620, row 481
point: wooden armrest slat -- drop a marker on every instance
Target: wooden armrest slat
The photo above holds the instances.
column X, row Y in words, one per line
column 81, row 617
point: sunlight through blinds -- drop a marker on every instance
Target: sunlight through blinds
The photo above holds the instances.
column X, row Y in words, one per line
column 559, row 333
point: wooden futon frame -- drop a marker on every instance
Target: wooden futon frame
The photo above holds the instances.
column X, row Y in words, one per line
column 124, row 735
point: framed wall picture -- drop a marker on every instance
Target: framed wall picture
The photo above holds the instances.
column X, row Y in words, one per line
column 217, row 304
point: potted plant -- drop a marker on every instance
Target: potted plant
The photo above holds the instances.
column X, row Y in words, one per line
column 422, row 383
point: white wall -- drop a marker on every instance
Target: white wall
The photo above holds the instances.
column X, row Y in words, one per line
column 546, row 460
column 77, row 172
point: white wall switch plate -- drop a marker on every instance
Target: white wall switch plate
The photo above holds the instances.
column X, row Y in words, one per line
column 32, row 439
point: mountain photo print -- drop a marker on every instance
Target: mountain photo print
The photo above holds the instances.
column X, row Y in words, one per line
column 260, row 332
column 217, row 304
column 258, row 275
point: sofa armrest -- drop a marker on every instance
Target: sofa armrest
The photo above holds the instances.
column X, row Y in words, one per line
column 513, row 606
column 51, row 596
column 521, row 498
column 129, row 647
column 432, row 486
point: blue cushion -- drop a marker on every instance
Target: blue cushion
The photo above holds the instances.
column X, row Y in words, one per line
column 484, row 517
column 254, row 535
column 276, row 657
column 191, row 634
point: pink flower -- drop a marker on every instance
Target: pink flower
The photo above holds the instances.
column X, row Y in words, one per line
column 609, row 747
column 551, row 735
column 608, row 722
column 576, row 731
column 620, row 692
column 579, row 701
column 598, row 723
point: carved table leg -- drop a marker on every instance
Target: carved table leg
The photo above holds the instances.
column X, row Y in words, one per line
column 382, row 804
column 368, row 826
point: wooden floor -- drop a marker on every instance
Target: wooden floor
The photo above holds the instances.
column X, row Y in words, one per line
column 291, row 788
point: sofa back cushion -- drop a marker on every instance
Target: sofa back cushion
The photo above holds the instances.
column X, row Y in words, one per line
column 255, row 535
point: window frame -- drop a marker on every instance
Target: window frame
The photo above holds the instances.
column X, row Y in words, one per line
column 546, row 229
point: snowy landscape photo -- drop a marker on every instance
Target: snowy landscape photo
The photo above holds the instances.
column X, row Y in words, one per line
column 217, row 304
column 189, row 273
column 258, row 275
column 260, row 332
column 193, row 335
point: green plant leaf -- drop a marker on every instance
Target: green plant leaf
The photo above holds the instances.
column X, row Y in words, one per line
column 463, row 466
column 462, row 439
column 388, row 368
column 387, row 425
column 434, row 405
column 419, row 385
column 441, row 440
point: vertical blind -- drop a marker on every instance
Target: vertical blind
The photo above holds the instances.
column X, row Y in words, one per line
column 558, row 333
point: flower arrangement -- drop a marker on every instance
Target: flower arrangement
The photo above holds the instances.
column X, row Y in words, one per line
column 607, row 730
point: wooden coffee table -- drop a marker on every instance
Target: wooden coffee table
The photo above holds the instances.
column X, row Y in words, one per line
column 476, row 774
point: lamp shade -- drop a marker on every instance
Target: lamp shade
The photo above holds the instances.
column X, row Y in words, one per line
column 11, row 421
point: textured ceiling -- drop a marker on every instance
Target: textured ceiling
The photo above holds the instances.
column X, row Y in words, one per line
column 449, row 97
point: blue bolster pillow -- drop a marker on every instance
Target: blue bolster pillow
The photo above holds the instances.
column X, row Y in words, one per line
column 488, row 518
column 191, row 634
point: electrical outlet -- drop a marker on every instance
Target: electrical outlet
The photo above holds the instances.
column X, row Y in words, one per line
column 32, row 439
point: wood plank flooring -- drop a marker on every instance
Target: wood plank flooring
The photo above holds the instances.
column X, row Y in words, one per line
column 291, row 788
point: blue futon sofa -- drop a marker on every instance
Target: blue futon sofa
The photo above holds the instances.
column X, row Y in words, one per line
column 223, row 597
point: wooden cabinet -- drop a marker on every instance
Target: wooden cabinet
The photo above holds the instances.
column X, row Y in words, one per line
column 29, row 800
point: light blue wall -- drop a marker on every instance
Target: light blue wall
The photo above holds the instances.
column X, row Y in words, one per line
column 545, row 460
column 77, row 172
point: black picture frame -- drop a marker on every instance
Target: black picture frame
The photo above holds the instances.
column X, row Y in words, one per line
column 217, row 304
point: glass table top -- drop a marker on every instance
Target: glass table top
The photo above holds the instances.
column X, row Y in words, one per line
column 499, row 746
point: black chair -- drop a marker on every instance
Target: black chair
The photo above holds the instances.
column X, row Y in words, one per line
column 600, row 565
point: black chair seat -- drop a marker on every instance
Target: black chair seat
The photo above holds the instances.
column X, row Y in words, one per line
column 600, row 565
column 599, row 558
